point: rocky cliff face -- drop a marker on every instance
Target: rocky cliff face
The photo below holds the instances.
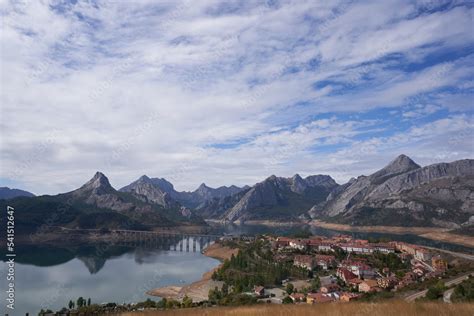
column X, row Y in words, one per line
column 162, row 192
column 405, row 194
column 149, row 190
column 280, row 198
column 206, row 193
column 216, row 207
column 99, row 194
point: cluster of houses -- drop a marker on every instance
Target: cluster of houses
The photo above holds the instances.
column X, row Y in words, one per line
column 343, row 242
column 355, row 274
column 321, row 297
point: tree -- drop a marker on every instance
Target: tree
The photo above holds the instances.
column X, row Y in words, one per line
column 187, row 301
column 80, row 302
column 287, row 300
column 315, row 284
column 169, row 304
column 464, row 292
column 225, row 289
column 89, row 301
column 214, row 295
column 162, row 303
column 436, row 291
column 71, row 304
column 289, row 288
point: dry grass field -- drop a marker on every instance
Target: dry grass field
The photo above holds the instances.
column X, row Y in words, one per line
column 339, row 309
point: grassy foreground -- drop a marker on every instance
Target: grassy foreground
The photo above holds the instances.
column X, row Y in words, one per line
column 339, row 309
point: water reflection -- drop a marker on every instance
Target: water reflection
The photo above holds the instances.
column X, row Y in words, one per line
column 50, row 276
column 95, row 256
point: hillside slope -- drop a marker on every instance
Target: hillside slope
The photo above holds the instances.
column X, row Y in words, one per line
column 278, row 198
column 96, row 204
column 7, row 193
column 405, row 194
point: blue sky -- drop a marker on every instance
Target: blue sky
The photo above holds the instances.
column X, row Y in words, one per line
column 230, row 92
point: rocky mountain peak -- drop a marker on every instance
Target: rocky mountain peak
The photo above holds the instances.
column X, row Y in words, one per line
column 298, row 185
column 144, row 178
column 404, row 160
column 296, row 177
column 163, row 184
column 271, row 178
column 402, row 163
column 321, row 180
column 203, row 186
column 97, row 186
column 399, row 165
column 98, row 181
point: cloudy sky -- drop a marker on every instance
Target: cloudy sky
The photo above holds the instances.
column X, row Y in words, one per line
column 230, row 92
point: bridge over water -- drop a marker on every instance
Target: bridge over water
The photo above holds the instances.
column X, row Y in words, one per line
column 164, row 239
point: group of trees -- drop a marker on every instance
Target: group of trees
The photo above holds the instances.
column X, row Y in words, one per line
column 436, row 291
column 251, row 266
column 391, row 260
column 254, row 265
column 79, row 303
column 464, row 292
column 223, row 297
column 86, row 308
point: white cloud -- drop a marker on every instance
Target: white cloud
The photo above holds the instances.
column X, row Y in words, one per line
column 236, row 91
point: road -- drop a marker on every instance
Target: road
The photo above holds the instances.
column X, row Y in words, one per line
column 455, row 254
column 455, row 281
column 447, row 296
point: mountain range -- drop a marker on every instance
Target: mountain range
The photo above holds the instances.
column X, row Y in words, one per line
column 6, row 193
column 405, row 194
column 401, row 194
column 97, row 204
column 162, row 192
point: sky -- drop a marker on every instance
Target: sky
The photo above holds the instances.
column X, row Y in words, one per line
column 230, row 92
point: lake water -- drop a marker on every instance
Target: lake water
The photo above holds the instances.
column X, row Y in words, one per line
column 48, row 277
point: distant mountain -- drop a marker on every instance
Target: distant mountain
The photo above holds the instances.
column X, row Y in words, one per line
column 7, row 193
column 405, row 194
column 205, row 193
column 276, row 198
column 216, row 207
column 401, row 194
column 97, row 194
column 162, row 192
column 154, row 190
column 97, row 204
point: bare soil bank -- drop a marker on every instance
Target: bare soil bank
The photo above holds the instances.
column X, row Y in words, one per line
column 198, row 290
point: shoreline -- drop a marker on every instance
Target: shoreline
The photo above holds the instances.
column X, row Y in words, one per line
column 433, row 233
column 199, row 289
column 264, row 222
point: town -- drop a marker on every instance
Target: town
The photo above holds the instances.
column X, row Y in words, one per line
column 319, row 269
column 312, row 270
